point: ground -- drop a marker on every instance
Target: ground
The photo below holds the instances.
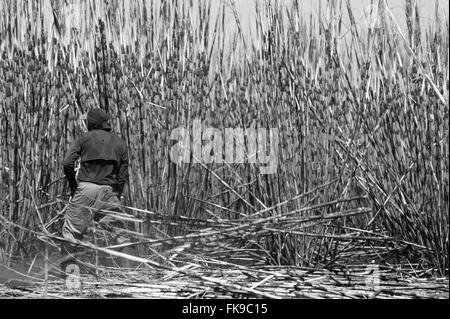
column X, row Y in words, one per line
column 196, row 281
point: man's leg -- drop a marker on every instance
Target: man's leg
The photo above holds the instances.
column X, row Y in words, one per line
column 110, row 202
column 76, row 221
column 115, row 227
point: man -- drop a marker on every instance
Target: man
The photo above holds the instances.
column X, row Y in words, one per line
column 101, row 179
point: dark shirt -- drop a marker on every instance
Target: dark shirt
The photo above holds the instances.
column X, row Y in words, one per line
column 103, row 160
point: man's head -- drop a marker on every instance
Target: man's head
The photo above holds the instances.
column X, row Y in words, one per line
column 97, row 120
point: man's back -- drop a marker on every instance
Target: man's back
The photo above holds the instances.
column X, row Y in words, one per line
column 102, row 158
column 103, row 155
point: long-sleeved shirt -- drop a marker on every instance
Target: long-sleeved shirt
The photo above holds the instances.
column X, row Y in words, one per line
column 103, row 160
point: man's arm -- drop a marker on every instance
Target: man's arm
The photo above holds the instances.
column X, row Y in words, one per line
column 69, row 164
column 123, row 173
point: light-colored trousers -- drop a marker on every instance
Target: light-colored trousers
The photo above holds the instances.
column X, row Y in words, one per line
column 90, row 202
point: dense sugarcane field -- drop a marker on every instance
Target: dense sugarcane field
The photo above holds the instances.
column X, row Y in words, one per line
column 355, row 204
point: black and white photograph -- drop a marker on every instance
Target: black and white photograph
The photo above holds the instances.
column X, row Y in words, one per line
column 224, row 154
